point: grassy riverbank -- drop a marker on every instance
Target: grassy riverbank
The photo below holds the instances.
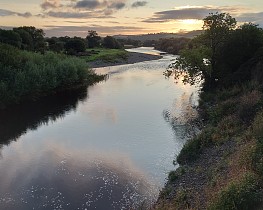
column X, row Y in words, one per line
column 106, row 55
column 222, row 167
column 29, row 75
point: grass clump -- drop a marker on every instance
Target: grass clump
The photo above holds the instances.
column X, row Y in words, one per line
column 192, row 149
column 30, row 75
column 105, row 54
column 239, row 194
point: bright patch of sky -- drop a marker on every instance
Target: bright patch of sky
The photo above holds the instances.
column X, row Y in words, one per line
column 109, row 17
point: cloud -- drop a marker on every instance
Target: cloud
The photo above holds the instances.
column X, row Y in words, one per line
column 256, row 18
column 95, row 4
column 82, row 8
column 139, row 4
column 250, row 17
column 83, row 30
column 182, row 13
column 4, row 13
column 69, row 14
column 89, row 4
column 78, row 15
column 50, row 4
column 117, row 5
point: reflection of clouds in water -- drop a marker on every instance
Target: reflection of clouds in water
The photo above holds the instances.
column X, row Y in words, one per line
column 86, row 179
column 99, row 113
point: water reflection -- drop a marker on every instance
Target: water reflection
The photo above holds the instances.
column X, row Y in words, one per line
column 112, row 151
column 30, row 115
column 90, row 180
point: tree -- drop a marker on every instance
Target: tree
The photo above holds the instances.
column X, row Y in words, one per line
column 55, row 44
column 93, row 39
column 217, row 28
column 37, row 36
column 10, row 37
column 27, row 40
column 74, row 46
column 200, row 59
column 242, row 45
column 111, row 42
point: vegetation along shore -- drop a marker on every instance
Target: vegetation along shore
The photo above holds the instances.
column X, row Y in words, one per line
column 33, row 66
column 221, row 167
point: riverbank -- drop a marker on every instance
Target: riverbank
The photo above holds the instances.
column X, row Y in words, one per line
column 132, row 57
column 221, row 168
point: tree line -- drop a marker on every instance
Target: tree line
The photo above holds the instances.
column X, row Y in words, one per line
column 33, row 39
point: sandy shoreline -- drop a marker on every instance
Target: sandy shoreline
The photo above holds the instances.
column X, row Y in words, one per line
column 133, row 57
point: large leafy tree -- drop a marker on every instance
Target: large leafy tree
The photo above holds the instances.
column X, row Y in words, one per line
column 27, row 39
column 199, row 61
column 37, row 37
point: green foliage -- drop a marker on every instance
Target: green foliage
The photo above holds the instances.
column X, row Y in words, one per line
column 242, row 45
column 192, row 66
column 37, row 36
column 239, row 194
column 199, row 61
column 191, row 150
column 10, row 37
column 27, row 39
column 107, row 55
column 26, row 74
column 174, row 175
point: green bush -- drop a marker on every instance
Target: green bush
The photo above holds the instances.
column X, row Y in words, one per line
column 238, row 195
column 192, row 149
column 29, row 75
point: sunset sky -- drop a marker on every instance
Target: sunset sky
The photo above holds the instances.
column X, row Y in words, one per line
column 109, row 17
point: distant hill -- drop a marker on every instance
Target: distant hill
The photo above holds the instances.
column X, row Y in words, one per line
column 157, row 36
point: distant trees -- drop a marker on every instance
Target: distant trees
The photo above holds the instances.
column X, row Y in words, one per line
column 75, row 45
column 93, row 39
column 112, row 43
column 172, row 45
column 26, row 37
column 131, row 42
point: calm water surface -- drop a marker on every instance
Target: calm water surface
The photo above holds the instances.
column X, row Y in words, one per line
column 109, row 146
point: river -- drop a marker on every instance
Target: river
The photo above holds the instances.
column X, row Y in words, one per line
column 108, row 146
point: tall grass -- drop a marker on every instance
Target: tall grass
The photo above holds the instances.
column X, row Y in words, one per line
column 29, row 75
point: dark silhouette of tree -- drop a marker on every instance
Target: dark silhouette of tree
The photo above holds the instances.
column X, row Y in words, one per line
column 55, row 45
column 111, row 42
column 93, row 39
column 37, row 37
column 74, row 46
column 200, row 60
column 27, row 40
column 10, row 37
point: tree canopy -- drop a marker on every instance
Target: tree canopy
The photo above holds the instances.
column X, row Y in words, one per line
column 93, row 39
column 219, row 51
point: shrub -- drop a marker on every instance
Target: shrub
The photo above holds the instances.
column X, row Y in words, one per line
column 27, row 74
column 248, row 105
column 239, row 194
column 193, row 147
